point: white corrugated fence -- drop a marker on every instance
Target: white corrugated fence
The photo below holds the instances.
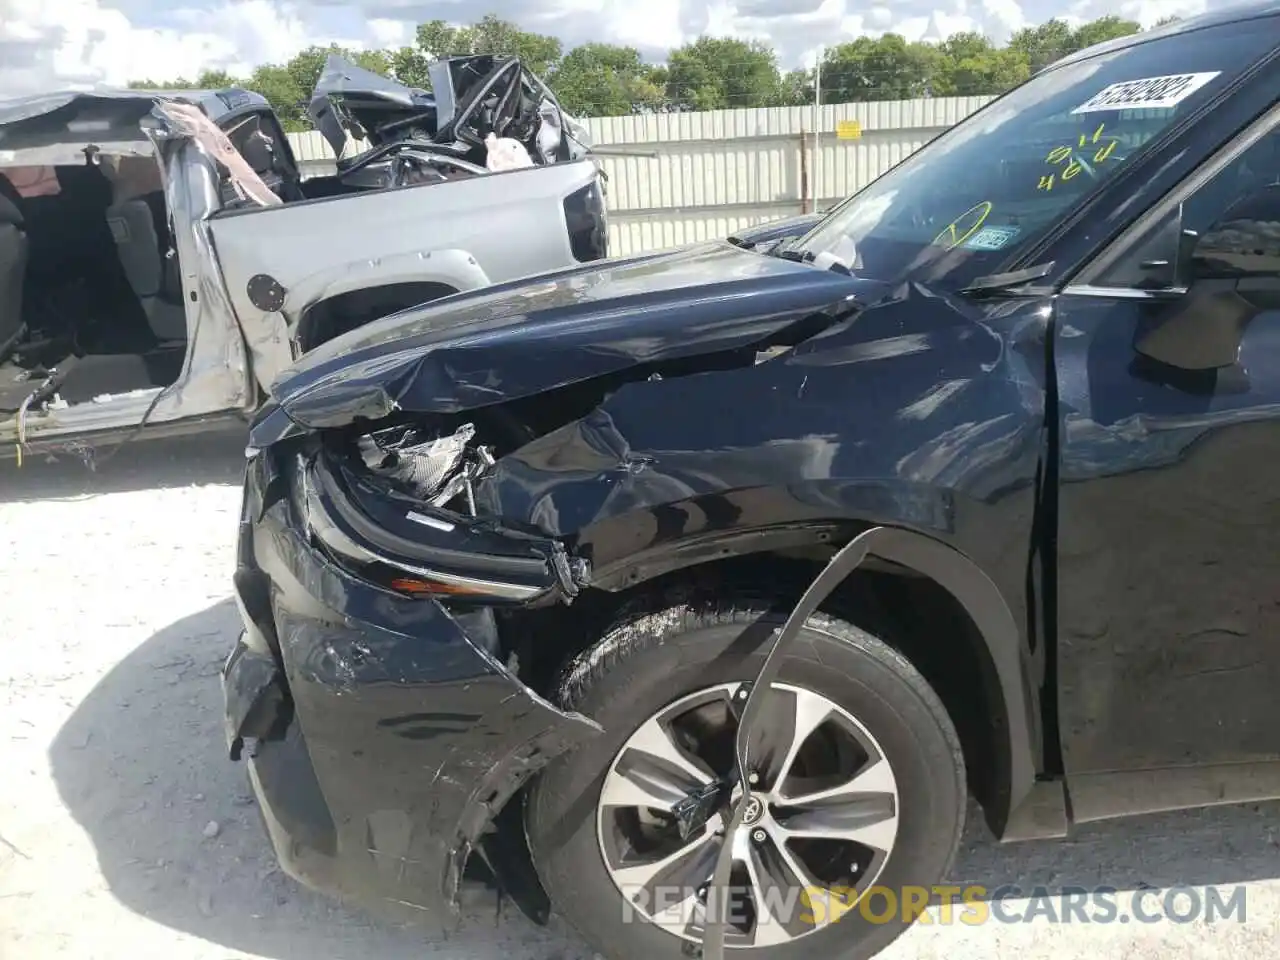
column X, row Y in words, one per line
column 696, row 176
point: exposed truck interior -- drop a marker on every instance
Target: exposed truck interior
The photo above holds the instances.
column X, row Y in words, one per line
column 92, row 306
column 416, row 136
column 90, row 293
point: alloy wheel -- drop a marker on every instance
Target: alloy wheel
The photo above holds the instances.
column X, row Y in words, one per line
column 821, row 820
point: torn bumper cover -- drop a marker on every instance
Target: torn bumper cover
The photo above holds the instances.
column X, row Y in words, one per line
column 381, row 737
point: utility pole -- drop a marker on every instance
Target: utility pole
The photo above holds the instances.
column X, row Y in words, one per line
column 817, row 130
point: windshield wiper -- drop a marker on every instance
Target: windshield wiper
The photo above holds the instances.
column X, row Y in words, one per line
column 1009, row 283
column 796, row 256
column 808, row 256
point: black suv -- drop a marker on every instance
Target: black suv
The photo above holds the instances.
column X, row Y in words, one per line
column 660, row 590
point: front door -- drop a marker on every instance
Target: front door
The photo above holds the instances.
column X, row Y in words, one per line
column 1169, row 513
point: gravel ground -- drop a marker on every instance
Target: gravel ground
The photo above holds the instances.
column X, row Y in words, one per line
column 125, row 834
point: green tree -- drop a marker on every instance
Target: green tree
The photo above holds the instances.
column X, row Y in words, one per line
column 215, row 80
column 1102, row 30
column 492, row 34
column 1055, row 39
column 178, row 84
column 280, row 87
column 795, row 89
column 441, row 39
column 602, row 80
column 883, row 68
column 710, row 73
column 1044, row 44
column 968, row 45
column 716, row 73
column 205, row 80
column 971, row 66
column 409, row 66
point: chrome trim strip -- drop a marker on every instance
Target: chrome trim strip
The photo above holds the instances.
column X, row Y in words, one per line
column 1122, row 293
column 341, row 542
column 506, row 591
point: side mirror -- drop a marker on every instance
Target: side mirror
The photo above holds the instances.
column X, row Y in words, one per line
column 767, row 236
column 1231, row 273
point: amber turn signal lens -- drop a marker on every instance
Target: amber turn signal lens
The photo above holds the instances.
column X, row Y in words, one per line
column 428, row 587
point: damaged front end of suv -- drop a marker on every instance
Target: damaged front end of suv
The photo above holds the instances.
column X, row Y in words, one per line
column 444, row 507
column 420, row 496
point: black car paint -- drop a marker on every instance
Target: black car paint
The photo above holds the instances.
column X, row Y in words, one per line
column 415, row 735
column 528, row 338
column 906, row 407
column 1023, row 460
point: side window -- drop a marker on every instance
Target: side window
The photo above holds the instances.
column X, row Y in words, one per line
column 1154, row 261
column 260, row 141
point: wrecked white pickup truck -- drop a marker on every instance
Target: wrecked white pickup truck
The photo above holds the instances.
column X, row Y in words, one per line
column 162, row 258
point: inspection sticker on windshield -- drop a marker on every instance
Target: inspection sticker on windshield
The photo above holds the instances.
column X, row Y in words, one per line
column 1148, row 93
column 991, row 238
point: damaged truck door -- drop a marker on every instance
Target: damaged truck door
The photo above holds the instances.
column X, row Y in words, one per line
column 113, row 313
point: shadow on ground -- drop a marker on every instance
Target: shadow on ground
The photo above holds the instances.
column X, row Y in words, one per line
column 142, row 766
column 215, row 457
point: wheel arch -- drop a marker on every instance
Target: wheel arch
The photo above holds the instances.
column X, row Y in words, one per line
column 1009, row 695
column 350, row 309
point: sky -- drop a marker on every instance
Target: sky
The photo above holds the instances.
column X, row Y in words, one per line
column 46, row 44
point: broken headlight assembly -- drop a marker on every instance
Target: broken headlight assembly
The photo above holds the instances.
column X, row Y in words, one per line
column 434, row 468
column 400, row 514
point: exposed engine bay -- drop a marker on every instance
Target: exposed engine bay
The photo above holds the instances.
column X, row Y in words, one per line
column 435, row 468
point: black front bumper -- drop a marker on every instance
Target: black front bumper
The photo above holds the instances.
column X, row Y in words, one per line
column 382, row 739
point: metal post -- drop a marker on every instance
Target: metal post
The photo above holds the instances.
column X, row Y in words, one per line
column 804, row 171
column 817, row 130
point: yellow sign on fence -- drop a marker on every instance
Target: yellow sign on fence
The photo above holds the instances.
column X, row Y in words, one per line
column 848, row 129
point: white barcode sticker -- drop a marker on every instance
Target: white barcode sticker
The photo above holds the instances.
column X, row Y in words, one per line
column 1147, row 93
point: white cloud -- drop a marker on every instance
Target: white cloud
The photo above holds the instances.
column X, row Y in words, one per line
column 49, row 43
column 391, row 34
column 80, row 43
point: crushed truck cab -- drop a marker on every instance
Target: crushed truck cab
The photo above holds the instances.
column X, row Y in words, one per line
column 163, row 259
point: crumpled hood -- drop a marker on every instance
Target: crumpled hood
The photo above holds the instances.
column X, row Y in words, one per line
column 526, row 337
column 366, row 97
column 348, row 99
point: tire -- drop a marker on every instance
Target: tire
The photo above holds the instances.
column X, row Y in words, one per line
column 648, row 661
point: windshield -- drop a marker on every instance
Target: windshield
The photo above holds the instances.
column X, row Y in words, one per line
column 961, row 206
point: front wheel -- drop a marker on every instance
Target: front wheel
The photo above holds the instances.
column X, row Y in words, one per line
column 857, row 800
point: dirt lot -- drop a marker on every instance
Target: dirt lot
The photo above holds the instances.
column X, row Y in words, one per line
column 125, row 834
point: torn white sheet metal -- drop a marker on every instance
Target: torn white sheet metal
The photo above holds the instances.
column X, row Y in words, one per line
column 192, row 122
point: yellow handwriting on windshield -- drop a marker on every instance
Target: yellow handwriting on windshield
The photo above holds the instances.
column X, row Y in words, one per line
column 964, row 226
column 1074, row 157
